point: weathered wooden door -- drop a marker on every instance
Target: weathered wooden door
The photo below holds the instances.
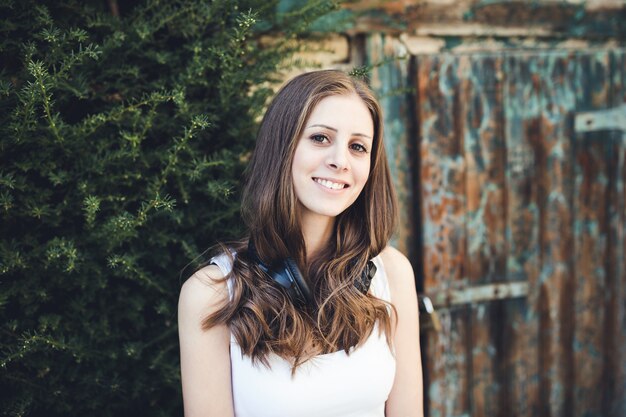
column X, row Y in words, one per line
column 520, row 217
column 522, row 224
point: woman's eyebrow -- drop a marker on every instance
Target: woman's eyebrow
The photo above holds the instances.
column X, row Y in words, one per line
column 324, row 126
column 335, row 130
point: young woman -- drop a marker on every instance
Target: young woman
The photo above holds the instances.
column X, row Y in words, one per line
column 313, row 314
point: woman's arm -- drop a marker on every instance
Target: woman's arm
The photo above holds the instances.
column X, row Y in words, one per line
column 204, row 354
column 406, row 398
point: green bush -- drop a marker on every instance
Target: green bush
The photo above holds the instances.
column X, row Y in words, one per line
column 124, row 133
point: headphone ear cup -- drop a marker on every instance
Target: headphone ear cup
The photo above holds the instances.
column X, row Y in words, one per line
column 363, row 284
column 287, row 275
column 300, row 284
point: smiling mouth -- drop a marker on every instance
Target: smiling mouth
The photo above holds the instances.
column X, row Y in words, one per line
column 330, row 185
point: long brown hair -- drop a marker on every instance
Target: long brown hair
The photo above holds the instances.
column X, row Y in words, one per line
column 260, row 315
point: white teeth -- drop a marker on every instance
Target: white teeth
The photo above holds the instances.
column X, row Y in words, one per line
column 329, row 184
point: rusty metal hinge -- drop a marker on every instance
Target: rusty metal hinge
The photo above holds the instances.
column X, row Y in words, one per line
column 609, row 119
column 480, row 293
column 442, row 300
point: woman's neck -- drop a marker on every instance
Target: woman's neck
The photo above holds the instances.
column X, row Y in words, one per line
column 316, row 231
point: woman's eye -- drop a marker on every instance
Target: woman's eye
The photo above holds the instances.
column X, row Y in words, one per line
column 319, row 138
column 358, row 147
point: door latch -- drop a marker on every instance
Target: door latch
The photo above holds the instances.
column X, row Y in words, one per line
column 432, row 318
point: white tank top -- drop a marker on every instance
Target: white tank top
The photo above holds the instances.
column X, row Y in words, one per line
column 330, row 385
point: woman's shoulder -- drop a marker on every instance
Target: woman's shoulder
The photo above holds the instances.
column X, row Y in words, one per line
column 398, row 268
column 203, row 292
column 204, row 348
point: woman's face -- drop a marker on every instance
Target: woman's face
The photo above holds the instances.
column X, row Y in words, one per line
column 332, row 158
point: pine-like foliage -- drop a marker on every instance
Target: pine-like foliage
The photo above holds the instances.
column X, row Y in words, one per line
column 124, row 131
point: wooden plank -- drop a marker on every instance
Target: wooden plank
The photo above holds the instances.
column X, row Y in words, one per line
column 521, row 97
column 442, row 205
column 554, row 175
column 590, row 240
column 447, row 364
column 614, row 394
column 485, row 157
column 481, row 127
column 442, row 173
column 390, row 81
column 485, row 348
column 620, row 395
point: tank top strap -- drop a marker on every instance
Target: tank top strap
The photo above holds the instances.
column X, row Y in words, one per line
column 225, row 264
column 380, row 283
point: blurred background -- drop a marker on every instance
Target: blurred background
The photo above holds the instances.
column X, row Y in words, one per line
column 125, row 128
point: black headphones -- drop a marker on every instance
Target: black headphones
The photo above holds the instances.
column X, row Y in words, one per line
column 286, row 274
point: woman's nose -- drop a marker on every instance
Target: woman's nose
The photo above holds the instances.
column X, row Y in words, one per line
column 337, row 158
